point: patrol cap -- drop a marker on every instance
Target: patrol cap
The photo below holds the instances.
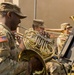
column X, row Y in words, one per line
column 68, row 26
column 7, row 6
column 38, row 22
column 65, row 25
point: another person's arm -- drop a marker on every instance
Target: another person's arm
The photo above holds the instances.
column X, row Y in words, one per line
column 53, row 30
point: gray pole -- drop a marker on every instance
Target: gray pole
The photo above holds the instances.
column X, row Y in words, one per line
column 35, row 9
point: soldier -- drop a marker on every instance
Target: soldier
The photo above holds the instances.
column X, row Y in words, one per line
column 66, row 27
column 60, row 69
column 61, row 40
column 10, row 15
column 53, row 67
column 64, row 33
column 38, row 25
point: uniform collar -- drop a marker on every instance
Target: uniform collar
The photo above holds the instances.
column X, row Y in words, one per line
column 5, row 26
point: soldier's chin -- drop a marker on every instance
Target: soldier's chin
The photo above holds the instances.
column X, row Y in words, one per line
column 13, row 29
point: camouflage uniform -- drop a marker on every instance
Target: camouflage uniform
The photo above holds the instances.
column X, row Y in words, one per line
column 61, row 41
column 31, row 42
column 63, row 36
column 9, row 65
column 52, row 66
column 55, row 68
column 9, row 53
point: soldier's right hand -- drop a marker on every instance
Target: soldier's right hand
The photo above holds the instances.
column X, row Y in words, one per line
column 21, row 44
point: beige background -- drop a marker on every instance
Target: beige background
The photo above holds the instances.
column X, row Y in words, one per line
column 53, row 12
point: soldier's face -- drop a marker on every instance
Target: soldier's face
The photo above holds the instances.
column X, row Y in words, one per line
column 15, row 20
column 40, row 29
column 69, row 30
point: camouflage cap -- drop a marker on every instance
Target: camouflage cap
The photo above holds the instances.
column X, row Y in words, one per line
column 7, row 6
column 65, row 25
column 38, row 22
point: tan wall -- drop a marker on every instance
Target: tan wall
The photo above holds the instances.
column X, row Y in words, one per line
column 27, row 6
column 8, row 0
column 53, row 12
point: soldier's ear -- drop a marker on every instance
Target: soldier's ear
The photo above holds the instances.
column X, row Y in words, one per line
column 9, row 14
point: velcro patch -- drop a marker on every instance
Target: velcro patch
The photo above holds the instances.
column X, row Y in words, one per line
column 3, row 39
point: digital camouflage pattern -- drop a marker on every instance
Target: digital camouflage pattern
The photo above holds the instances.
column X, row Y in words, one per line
column 9, row 54
column 52, row 66
column 63, row 36
column 61, row 41
column 33, row 40
column 56, row 68
column 7, row 6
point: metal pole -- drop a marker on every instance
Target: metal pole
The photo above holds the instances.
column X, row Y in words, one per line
column 35, row 9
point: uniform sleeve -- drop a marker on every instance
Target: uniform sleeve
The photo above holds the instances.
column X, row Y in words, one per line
column 15, row 53
column 8, row 46
column 4, row 46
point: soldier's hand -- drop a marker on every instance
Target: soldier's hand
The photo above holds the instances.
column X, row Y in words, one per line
column 19, row 39
column 21, row 45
